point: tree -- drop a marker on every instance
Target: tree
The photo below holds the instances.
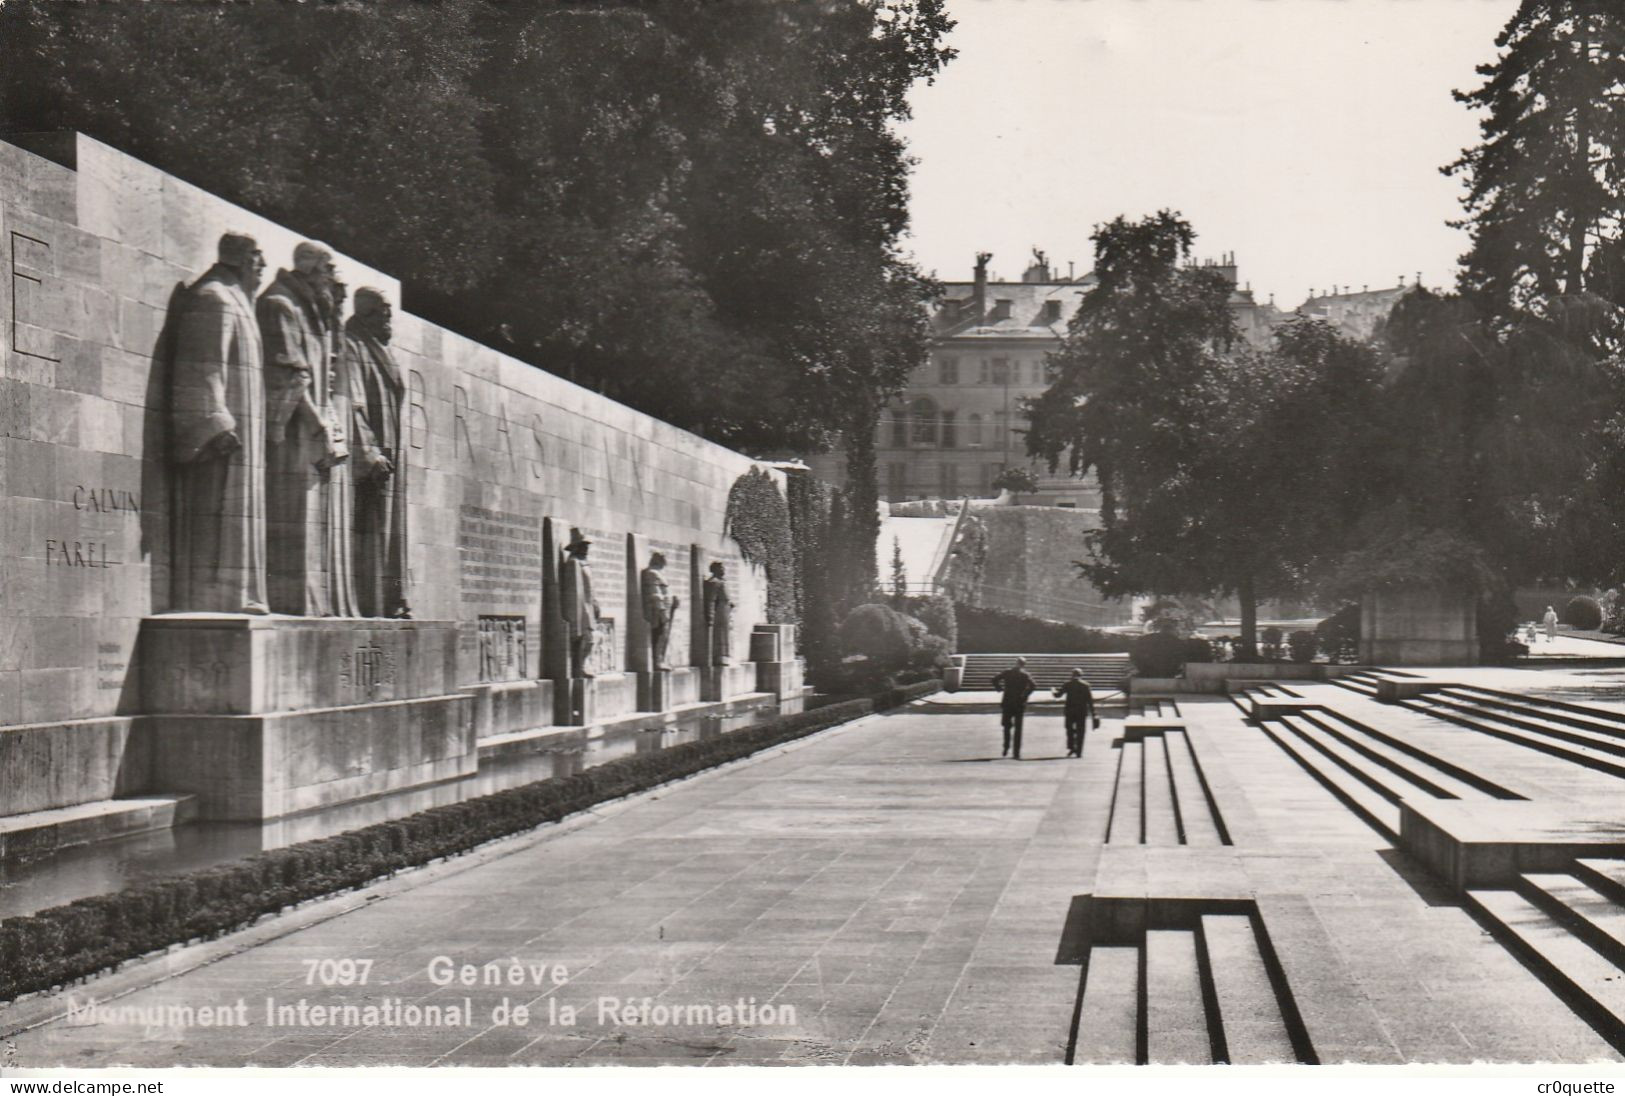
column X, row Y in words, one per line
column 1222, row 470
column 693, row 206
column 1544, row 199
column 899, row 573
column 1017, row 481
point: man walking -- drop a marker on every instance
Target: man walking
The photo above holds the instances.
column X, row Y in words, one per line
column 1015, row 685
column 1080, row 707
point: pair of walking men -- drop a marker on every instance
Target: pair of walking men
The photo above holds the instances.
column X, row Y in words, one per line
column 1015, row 685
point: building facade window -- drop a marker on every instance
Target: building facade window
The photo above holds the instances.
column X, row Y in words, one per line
column 1001, row 370
column 896, row 482
column 985, row 373
column 948, row 370
column 923, row 412
column 949, row 437
column 899, row 427
column 950, row 480
column 973, row 430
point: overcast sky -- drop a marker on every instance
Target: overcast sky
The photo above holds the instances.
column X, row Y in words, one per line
column 1304, row 135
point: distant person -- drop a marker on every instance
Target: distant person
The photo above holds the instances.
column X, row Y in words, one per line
column 1015, row 685
column 1080, row 708
column 1531, row 634
column 1550, row 620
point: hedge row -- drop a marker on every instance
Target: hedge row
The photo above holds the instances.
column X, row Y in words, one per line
column 57, row 946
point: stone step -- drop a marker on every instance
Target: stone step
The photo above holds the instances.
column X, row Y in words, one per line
column 1127, row 825
column 1564, row 728
column 1436, row 768
column 1356, row 683
column 1579, row 975
column 1583, row 711
column 1581, row 755
column 1593, row 916
column 1606, row 876
column 1391, row 786
column 1196, row 814
column 1109, row 1015
column 1175, row 1016
column 1249, row 1013
column 1375, row 810
column 1424, row 773
column 1161, row 814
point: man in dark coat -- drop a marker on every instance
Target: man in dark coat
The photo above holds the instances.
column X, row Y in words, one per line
column 1080, row 708
column 1015, row 685
column 378, row 464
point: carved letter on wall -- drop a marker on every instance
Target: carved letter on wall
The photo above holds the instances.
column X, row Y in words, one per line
column 541, row 450
column 460, row 410
column 418, row 427
column 17, row 276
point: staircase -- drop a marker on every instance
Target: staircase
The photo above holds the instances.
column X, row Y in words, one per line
column 1569, row 928
column 1205, row 994
column 1104, row 673
column 1369, row 770
column 1586, row 736
column 1159, row 795
column 1364, row 682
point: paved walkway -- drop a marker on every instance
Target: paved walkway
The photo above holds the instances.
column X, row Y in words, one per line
column 896, row 884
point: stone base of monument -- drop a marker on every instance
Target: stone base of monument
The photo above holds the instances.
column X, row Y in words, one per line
column 1418, row 628
column 261, row 717
column 49, row 766
column 502, row 707
column 782, row 679
column 584, row 700
column 726, row 682
column 37, row 834
column 663, row 690
column 244, row 767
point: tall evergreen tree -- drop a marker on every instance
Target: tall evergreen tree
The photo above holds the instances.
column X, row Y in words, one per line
column 1546, row 185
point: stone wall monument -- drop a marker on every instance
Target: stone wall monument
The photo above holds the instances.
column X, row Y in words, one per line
column 377, row 464
column 217, row 439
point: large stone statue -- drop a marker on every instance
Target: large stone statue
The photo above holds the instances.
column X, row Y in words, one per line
column 718, row 617
column 217, row 438
column 308, row 506
column 577, row 603
column 377, row 461
column 659, row 609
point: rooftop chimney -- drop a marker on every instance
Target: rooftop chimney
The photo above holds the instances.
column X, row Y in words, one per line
column 979, row 296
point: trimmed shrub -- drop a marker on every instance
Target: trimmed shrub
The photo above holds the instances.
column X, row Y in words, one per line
column 1302, row 645
column 1159, row 654
column 1583, row 613
column 937, row 614
column 994, row 631
column 1269, row 642
column 1339, row 634
column 1199, row 649
column 56, row 946
column 879, row 633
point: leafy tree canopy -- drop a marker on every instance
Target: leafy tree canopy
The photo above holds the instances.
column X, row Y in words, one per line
column 690, row 205
column 1544, row 197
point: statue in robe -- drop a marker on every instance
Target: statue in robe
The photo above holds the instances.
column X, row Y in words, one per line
column 718, row 617
column 217, row 438
column 577, row 604
column 377, row 460
column 659, row 609
column 308, row 506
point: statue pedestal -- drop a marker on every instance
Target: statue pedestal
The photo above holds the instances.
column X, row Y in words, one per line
column 782, row 679
column 663, row 690
column 654, row 690
column 264, row 716
column 726, row 682
column 584, row 700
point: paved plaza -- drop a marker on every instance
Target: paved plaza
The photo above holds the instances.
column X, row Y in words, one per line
column 894, row 891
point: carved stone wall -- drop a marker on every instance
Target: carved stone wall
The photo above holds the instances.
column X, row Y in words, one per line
column 92, row 245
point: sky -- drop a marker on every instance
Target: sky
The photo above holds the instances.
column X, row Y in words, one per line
column 1305, row 136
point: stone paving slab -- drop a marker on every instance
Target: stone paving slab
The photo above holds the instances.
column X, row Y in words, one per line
column 898, row 886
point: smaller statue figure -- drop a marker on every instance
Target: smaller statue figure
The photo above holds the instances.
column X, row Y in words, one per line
column 577, row 604
column 659, row 609
column 718, row 617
